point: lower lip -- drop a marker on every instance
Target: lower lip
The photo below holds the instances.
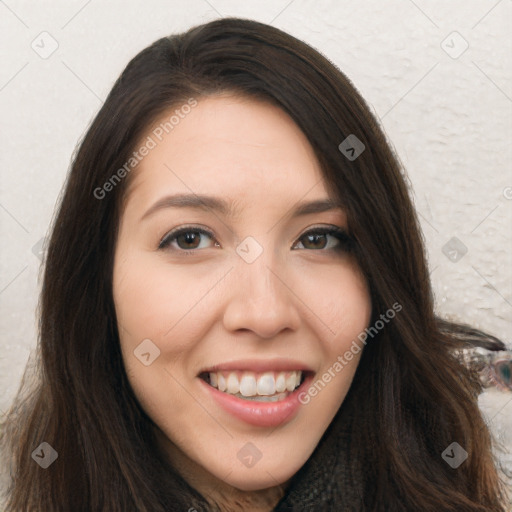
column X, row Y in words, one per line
column 260, row 414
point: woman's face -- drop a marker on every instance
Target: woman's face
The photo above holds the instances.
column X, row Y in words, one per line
column 217, row 327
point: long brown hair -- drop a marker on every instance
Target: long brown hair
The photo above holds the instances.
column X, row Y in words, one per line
column 411, row 396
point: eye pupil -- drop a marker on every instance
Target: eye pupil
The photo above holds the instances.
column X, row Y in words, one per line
column 189, row 237
column 314, row 238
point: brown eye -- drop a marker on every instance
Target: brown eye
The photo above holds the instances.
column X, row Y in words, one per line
column 319, row 239
column 187, row 238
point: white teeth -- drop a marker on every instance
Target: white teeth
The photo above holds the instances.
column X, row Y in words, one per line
column 221, row 382
column 281, row 382
column 232, row 383
column 248, row 384
column 267, row 384
column 290, row 382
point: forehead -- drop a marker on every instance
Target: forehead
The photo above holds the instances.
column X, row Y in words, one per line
column 229, row 146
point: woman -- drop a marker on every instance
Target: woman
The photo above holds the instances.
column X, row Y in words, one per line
column 289, row 361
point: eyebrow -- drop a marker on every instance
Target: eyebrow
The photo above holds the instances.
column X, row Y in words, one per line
column 226, row 208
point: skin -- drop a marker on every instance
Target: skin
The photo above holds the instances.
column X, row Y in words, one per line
column 297, row 300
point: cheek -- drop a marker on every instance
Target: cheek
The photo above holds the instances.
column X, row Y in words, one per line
column 348, row 308
column 159, row 307
column 145, row 308
column 149, row 302
column 344, row 305
column 151, row 299
column 140, row 294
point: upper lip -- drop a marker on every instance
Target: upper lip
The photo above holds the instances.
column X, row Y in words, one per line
column 259, row 365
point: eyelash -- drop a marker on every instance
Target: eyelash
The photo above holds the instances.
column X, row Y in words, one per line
column 345, row 241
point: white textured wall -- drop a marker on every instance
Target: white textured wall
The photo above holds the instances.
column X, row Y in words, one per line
column 447, row 112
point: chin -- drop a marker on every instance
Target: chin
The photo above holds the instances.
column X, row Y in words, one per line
column 255, row 482
column 259, row 478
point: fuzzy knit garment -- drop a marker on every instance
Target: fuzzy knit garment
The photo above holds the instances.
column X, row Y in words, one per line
column 323, row 483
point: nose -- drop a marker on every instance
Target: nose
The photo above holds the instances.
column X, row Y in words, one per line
column 262, row 299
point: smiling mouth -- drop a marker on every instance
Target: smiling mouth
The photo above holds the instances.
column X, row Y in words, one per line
column 256, row 386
